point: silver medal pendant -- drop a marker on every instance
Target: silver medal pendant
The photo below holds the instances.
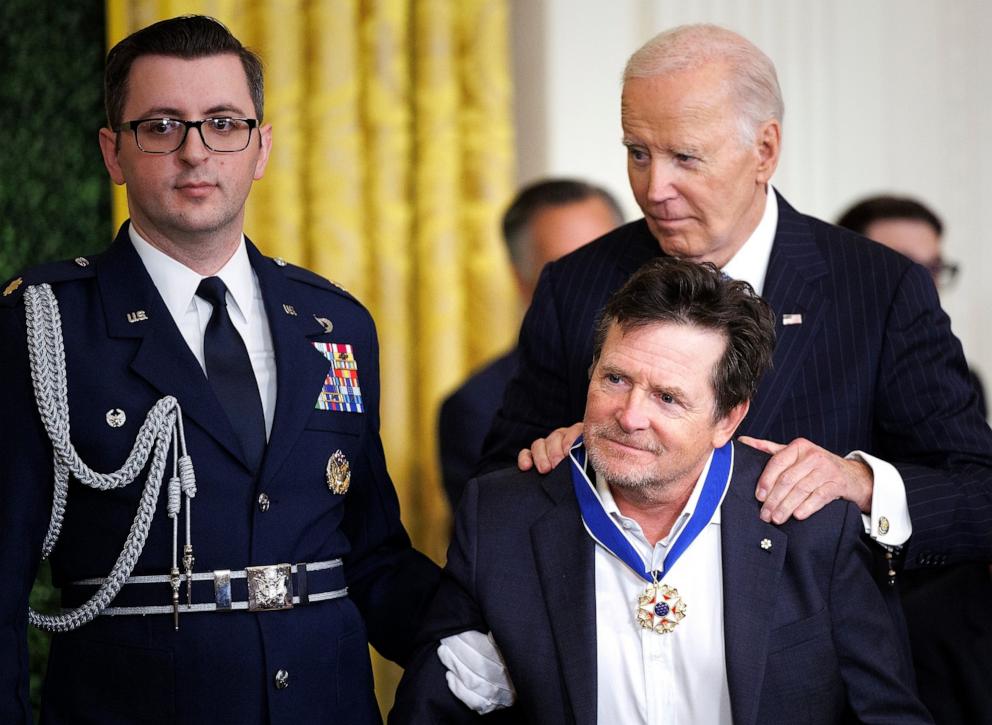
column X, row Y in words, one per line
column 660, row 608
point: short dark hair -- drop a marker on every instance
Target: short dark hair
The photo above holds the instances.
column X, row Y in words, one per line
column 882, row 208
column 673, row 290
column 539, row 196
column 188, row 36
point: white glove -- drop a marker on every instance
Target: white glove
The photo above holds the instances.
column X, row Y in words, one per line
column 476, row 674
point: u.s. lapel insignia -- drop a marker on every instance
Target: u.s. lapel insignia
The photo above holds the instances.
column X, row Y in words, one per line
column 338, row 473
column 12, row 287
column 340, row 390
column 116, row 417
column 137, row 316
column 289, row 310
column 325, row 323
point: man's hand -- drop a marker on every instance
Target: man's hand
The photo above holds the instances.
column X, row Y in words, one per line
column 546, row 453
column 801, row 478
column 476, row 671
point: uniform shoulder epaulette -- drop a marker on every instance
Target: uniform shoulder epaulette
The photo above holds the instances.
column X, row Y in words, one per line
column 302, row 274
column 66, row 270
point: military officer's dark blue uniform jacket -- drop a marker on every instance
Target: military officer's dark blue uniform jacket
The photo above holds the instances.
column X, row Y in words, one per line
column 219, row 666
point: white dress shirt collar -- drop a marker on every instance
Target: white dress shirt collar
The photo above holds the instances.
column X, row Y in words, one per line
column 750, row 264
column 613, row 511
column 177, row 283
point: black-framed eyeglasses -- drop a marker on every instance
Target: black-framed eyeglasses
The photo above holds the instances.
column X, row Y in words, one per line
column 222, row 134
column 944, row 273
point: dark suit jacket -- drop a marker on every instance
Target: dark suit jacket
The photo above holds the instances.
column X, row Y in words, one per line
column 874, row 366
column 219, row 666
column 807, row 636
column 466, row 416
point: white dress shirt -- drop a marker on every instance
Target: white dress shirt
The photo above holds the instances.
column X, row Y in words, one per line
column 176, row 284
column 679, row 678
column 888, row 501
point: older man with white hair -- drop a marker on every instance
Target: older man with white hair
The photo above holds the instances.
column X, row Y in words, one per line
column 869, row 399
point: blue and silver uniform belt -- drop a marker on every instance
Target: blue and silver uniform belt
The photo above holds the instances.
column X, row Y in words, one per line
column 255, row 589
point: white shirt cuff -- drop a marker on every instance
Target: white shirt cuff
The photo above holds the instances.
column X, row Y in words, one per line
column 889, row 522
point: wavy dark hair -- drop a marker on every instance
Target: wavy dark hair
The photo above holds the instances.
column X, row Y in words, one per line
column 672, row 290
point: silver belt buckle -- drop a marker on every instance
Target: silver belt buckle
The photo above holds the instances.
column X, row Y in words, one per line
column 270, row 587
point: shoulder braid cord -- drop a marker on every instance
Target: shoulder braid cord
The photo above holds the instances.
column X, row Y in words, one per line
column 161, row 429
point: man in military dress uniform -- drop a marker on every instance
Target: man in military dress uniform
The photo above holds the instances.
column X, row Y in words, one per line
column 215, row 413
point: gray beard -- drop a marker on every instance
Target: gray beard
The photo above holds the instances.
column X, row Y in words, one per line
column 629, row 482
column 648, row 487
column 635, row 481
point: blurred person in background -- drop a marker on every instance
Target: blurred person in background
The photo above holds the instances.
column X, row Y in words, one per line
column 546, row 220
column 913, row 229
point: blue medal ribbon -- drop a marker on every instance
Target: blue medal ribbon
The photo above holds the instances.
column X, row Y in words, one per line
column 607, row 532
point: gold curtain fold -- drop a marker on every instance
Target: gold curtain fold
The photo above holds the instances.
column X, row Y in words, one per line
column 392, row 162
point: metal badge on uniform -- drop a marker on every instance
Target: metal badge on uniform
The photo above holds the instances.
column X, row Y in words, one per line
column 12, row 287
column 325, row 323
column 116, row 417
column 338, row 473
column 792, row 319
column 137, row 316
column 341, row 390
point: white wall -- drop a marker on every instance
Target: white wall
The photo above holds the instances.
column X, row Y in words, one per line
column 880, row 95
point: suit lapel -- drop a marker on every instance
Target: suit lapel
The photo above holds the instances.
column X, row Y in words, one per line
column 567, row 569
column 750, row 578
column 640, row 247
column 300, row 368
column 791, row 288
column 134, row 309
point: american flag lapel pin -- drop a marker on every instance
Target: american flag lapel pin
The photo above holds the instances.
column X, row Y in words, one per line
column 792, row 319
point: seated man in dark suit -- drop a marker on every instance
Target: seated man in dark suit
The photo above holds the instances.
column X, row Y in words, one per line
column 546, row 220
column 637, row 583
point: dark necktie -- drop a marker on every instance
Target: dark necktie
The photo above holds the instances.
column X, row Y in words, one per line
column 230, row 373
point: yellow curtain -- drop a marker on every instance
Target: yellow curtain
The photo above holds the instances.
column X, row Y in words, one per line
column 392, row 162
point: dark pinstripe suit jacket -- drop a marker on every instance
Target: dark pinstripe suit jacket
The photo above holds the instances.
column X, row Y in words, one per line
column 873, row 367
